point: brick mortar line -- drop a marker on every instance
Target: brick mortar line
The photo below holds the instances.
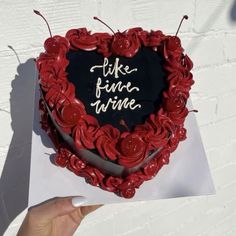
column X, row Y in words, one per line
column 221, row 167
column 213, row 66
column 5, row 111
column 221, row 146
column 232, row 117
column 214, row 147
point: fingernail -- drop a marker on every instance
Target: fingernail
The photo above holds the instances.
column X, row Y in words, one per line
column 78, row 201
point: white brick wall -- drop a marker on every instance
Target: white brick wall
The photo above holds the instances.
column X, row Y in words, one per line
column 209, row 36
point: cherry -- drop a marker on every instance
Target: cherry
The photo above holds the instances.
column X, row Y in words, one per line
column 173, row 43
column 131, row 146
column 71, row 114
column 51, row 45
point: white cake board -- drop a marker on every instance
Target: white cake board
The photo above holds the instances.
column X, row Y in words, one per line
column 187, row 174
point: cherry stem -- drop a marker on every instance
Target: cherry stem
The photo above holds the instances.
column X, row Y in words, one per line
column 123, row 123
column 96, row 18
column 193, row 110
column 185, row 17
column 39, row 14
column 17, row 57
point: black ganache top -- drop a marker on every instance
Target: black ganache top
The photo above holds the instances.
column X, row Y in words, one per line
column 118, row 88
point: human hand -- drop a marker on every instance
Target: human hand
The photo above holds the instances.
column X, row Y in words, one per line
column 59, row 217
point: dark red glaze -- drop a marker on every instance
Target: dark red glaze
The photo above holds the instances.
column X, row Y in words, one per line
column 162, row 130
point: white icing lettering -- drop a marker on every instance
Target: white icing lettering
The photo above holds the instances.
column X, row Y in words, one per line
column 109, row 69
column 113, row 87
column 115, row 104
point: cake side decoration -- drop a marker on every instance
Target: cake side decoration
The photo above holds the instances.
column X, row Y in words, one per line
column 139, row 151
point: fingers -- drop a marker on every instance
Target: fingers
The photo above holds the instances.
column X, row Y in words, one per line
column 57, row 207
column 88, row 209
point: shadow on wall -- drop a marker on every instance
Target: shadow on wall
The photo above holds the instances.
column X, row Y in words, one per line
column 211, row 20
column 14, row 182
column 233, row 12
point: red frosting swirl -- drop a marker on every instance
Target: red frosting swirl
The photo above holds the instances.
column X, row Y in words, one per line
column 92, row 175
column 68, row 116
column 174, row 103
column 151, row 168
column 163, row 156
column 82, row 39
column 76, row 165
column 84, row 132
column 56, row 45
column 111, row 183
column 155, row 38
column 106, row 141
column 60, row 93
column 133, row 150
column 104, row 43
column 62, row 157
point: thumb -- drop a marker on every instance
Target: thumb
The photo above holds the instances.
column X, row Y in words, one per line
column 57, row 207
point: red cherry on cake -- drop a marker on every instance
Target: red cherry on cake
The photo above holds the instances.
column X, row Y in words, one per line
column 125, row 44
column 131, row 145
column 71, row 113
column 173, row 43
column 133, row 151
column 51, row 46
column 67, row 116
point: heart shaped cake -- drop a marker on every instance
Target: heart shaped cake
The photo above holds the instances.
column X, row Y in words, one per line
column 114, row 105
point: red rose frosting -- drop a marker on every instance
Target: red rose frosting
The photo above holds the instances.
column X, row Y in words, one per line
column 155, row 38
column 142, row 35
column 151, row 168
column 84, row 132
column 161, row 132
column 68, row 116
column 111, row 183
column 82, row 39
column 60, row 93
column 104, row 43
column 63, row 157
column 75, row 164
column 133, row 150
column 106, row 141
